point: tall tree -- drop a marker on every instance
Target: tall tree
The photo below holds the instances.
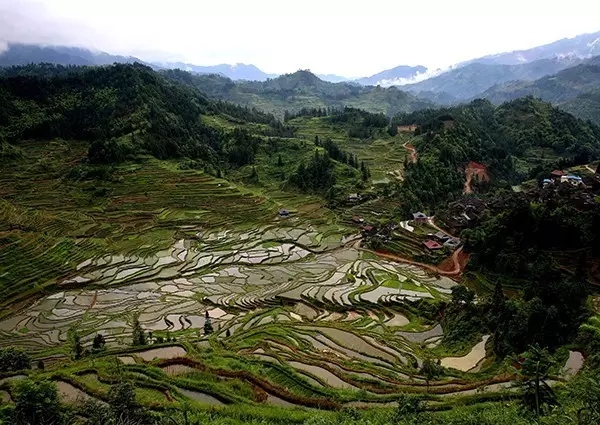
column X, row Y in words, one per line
column 139, row 337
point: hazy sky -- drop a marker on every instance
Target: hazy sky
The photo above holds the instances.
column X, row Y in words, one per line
column 349, row 38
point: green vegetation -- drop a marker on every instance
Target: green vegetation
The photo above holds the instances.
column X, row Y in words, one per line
column 194, row 261
column 302, row 89
column 500, row 138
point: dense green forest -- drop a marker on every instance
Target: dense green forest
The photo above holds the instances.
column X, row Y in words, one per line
column 124, row 110
column 515, row 141
column 302, row 89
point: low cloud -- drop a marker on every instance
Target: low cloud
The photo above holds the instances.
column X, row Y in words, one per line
column 418, row 77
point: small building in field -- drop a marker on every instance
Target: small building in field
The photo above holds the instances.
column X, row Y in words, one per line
column 357, row 219
column 407, row 128
column 452, row 243
column 441, row 236
column 557, row 174
column 284, row 213
column 547, row 182
column 354, row 197
column 369, row 230
column 420, row 217
column 432, row 245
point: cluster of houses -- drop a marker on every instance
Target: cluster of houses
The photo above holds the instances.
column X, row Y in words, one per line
column 559, row 176
column 441, row 240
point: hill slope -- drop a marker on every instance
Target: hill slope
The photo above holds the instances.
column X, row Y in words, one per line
column 515, row 141
column 392, row 76
column 24, row 54
column 581, row 46
column 574, row 88
column 302, row 89
column 469, row 80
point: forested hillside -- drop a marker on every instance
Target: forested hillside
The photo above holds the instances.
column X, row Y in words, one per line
column 516, row 140
column 302, row 89
column 123, row 110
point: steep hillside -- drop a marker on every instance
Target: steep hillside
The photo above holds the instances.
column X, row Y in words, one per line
column 292, row 92
column 122, row 109
column 467, row 81
column 572, row 88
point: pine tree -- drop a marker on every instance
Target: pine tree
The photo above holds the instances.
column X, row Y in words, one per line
column 279, row 161
column 317, row 140
column 228, row 333
column 139, row 338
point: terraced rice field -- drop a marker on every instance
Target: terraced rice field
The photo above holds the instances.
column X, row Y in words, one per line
column 301, row 315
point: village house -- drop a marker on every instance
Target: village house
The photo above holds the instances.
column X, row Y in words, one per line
column 284, row 213
column 407, row 128
column 574, row 180
column 369, row 230
column 419, row 217
column 441, row 236
column 546, row 182
column 452, row 243
column 557, row 174
column 432, row 245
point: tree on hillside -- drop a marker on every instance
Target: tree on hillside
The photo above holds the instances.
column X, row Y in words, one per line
column 533, row 370
column 279, row 161
column 36, row 403
column 99, row 342
column 430, row 370
column 208, row 327
column 139, row 338
column 75, row 343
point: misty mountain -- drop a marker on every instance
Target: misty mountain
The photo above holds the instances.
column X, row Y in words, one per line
column 24, row 54
column 392, row 76
column 332, row 78
column 581, row 46
column 575, row 89
column 302, row 89
column 467, row 81
column 238, row 71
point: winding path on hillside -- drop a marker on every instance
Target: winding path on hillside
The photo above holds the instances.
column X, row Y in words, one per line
column 412, row 151
column 456, row 271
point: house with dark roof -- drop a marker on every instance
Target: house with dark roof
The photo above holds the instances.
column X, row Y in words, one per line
column 284, row 213
column 452, row 243
column 557, row 174
column 441, row 236
column 420, row 217
column 432, row 245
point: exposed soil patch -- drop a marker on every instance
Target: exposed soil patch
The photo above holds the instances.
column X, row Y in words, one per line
column 475, row 170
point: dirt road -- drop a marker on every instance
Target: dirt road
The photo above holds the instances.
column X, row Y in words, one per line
column 456, row 271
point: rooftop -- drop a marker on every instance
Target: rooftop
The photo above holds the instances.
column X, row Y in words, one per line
column 432, row 244
column 419, row 215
